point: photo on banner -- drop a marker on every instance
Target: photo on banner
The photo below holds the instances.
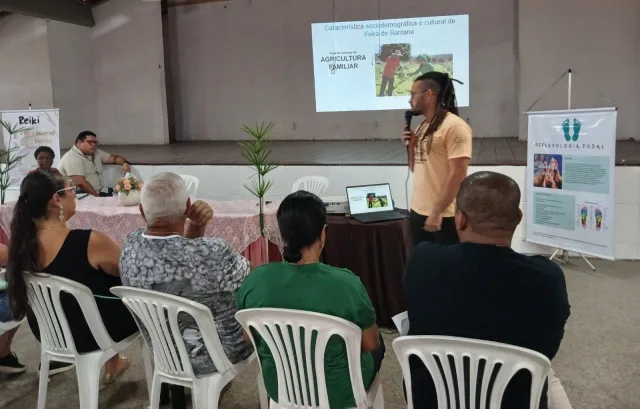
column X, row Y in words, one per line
column 571, row 180
column 41, row 128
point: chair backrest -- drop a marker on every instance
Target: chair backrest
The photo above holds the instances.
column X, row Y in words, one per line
column 298, row 385
column 451, row 360
column 192, row 184
column 157, row 318
column 313, row 184
column 43, row 291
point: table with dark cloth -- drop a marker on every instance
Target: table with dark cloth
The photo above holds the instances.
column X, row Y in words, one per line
column 375, row 252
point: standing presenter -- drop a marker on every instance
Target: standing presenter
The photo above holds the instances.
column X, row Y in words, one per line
column 442, row 144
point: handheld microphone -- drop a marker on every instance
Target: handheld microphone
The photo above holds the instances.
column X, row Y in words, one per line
column 411, row 153
column 408, row 116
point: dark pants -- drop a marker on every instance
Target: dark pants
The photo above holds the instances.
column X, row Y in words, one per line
column 446, row 235
column 388, row 84
column 100, row 194
column 116, row 318
column 106, row 194
column 378, row 356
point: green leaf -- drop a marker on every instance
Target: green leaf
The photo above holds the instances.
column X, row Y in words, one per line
column 9, row 156
column 251, row 190
column 256, row 151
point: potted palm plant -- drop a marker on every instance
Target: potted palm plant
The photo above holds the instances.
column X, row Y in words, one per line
column 9, row 157
column 256, row 152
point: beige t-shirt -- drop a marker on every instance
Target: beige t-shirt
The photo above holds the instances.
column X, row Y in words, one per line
column 451, row 140
column 76, row 163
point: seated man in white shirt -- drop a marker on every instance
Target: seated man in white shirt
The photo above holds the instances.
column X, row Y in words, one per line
column 84, row 163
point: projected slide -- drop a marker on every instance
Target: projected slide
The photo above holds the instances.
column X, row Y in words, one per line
column 371, row 65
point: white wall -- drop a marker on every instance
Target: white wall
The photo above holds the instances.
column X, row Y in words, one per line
column 71, row 63
column 243, row 61
column 128, row 69
column 240, row 61
column 25, row 75
column 109, row 78
column 599, row 40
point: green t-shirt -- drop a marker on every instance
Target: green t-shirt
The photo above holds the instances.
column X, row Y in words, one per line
column 317, row 288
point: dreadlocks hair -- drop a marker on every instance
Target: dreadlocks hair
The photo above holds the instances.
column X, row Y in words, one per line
column 442, row 85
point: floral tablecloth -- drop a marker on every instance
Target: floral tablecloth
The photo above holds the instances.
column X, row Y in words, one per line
column 237, row 222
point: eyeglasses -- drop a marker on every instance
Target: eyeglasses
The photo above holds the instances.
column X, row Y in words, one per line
column 72, row 188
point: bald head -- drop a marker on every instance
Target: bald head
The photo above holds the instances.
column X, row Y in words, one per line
column 489, row 203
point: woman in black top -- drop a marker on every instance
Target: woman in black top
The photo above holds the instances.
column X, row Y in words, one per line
column 41, row 242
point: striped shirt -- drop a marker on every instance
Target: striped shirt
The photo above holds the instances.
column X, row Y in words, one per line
column 206, row 270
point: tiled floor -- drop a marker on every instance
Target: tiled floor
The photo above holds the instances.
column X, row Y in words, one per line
column 597, row 362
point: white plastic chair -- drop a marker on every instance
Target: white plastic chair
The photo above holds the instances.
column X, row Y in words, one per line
column 56, row 340
column 500, row 360
column 287, row 353
column 312, row 184
column 192, row 184
column 158, row 313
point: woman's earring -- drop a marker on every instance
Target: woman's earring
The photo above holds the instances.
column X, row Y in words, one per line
column 61, row 217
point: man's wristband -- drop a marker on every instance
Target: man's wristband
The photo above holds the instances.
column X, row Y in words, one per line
column 127, row 162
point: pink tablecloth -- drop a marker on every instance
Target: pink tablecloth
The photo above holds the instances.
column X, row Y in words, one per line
column 237, row 222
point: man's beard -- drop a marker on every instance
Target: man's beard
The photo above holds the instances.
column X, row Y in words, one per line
column 417, row 111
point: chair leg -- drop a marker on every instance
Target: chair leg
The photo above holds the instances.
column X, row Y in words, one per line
column 43, row 382
column 154, row 396
column 262, row 391
column 148, row 365
column 88, row 371
column 378, row 402
column 206, row 393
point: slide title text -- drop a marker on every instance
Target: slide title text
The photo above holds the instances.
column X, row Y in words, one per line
column 395, row 27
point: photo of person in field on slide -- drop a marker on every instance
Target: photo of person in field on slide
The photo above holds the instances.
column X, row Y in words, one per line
column 397, row 68
column 376, row 201
column 388, row 76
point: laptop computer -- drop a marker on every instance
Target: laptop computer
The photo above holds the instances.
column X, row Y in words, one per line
column 372, row 203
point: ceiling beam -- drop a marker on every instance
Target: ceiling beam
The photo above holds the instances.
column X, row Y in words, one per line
column 68, row 11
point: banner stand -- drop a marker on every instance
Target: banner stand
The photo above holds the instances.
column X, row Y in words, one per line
column 564, row 256
column 40, row 127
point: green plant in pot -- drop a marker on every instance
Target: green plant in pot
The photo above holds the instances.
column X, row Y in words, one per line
column 256, row 152
column 9, row 157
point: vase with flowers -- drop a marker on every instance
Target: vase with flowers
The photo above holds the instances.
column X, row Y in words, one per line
column 128, row 191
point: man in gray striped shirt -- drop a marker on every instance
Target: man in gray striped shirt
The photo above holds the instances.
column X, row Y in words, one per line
column 172, row 256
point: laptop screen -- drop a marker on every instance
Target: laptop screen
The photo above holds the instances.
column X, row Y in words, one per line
column 369, row 199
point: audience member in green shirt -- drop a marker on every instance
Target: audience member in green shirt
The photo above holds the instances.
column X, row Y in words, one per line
column 302, row 282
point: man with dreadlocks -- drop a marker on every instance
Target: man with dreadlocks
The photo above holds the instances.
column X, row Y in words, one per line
column 442, row 145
